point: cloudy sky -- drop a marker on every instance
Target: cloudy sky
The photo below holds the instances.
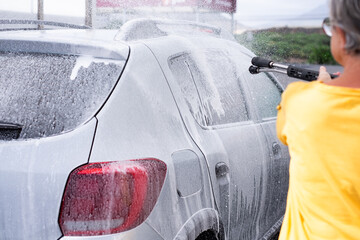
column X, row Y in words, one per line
column 244, row 7
column 277, row 12
column 58, row 7
column 282, row 8
column 249, row 12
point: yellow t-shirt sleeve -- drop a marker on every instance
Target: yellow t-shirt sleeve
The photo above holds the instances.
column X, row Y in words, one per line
column 292, row 89
column 280, row 123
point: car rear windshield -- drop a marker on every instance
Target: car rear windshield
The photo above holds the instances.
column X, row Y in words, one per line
column 49, row 94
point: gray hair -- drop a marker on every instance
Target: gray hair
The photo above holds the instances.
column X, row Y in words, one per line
column 346, row 14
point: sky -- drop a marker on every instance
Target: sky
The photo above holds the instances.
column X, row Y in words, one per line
column 56, row 7
column 282, row 8
column 249, row 12
column 244, row 7
column 279, row 12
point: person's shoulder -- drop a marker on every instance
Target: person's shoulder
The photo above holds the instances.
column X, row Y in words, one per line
column 297, row 87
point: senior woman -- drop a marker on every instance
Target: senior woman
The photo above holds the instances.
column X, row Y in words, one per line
column 320, row 122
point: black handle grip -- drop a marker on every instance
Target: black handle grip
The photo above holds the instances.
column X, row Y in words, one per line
column 253, row 69
column 262, row 62
column 333, row 76
column 304, row 74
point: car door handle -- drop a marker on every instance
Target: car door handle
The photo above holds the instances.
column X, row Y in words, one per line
column 276, row 150
column 221, row 169
column 223, row 178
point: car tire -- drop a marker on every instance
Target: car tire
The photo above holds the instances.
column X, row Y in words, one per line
column 207, row 235
column 276, row 236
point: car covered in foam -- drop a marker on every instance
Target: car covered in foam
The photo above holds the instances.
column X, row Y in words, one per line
column 155, row 131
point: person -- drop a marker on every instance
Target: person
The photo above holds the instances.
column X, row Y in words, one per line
column 320, row 123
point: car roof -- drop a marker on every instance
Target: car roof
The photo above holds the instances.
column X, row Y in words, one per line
column 177, row 35
column 93, row 42
column 115, row 44
column 144, row 28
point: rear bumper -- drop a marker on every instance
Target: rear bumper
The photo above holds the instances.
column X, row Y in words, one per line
column 142, row 232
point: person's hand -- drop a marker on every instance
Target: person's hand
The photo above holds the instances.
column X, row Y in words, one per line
column 323, row 74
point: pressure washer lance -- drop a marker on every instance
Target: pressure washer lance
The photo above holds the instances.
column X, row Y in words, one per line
column 264, row 65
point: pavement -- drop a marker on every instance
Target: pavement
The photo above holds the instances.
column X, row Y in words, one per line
column 285, row 80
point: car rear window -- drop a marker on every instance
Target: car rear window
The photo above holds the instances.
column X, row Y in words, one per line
column 49, row 94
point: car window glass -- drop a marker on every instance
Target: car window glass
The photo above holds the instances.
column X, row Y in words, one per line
column 265, row 94
column 180, row 68
column 210, row 85
column 215, row 75
column 49, row 94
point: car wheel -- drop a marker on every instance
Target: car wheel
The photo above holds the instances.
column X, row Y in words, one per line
column 275, row 237
column 207, row 235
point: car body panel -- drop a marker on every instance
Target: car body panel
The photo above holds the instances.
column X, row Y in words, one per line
column 33, row 176
column 140, row 112
column 141, row 120
column 218, row 177
column 277, row 175
column 34, row 171
column 242, row 147
column 277, row 164
column 143, row 231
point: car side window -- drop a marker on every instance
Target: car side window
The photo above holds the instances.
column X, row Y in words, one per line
column 216, row 85
column 265, row 94
column 179, row 67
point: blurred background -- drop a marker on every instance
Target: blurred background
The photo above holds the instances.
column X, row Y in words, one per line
column 283, row 30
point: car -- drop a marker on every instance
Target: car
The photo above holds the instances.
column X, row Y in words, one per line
column 154, row 131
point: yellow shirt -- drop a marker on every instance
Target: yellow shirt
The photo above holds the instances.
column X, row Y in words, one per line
column 321, row 126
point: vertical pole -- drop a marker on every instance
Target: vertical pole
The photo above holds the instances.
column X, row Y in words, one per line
column 40, row 13
column 90, row 8
column 232, row 24
column 233, row 21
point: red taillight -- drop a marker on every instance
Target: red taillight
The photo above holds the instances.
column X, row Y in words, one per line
column 110, row 197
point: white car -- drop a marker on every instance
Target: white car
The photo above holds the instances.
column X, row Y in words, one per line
column 156, row 131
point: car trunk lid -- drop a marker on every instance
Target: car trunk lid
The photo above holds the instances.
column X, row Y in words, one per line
column 33, row 176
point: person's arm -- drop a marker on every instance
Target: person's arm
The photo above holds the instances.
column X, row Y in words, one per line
column 280, row 123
